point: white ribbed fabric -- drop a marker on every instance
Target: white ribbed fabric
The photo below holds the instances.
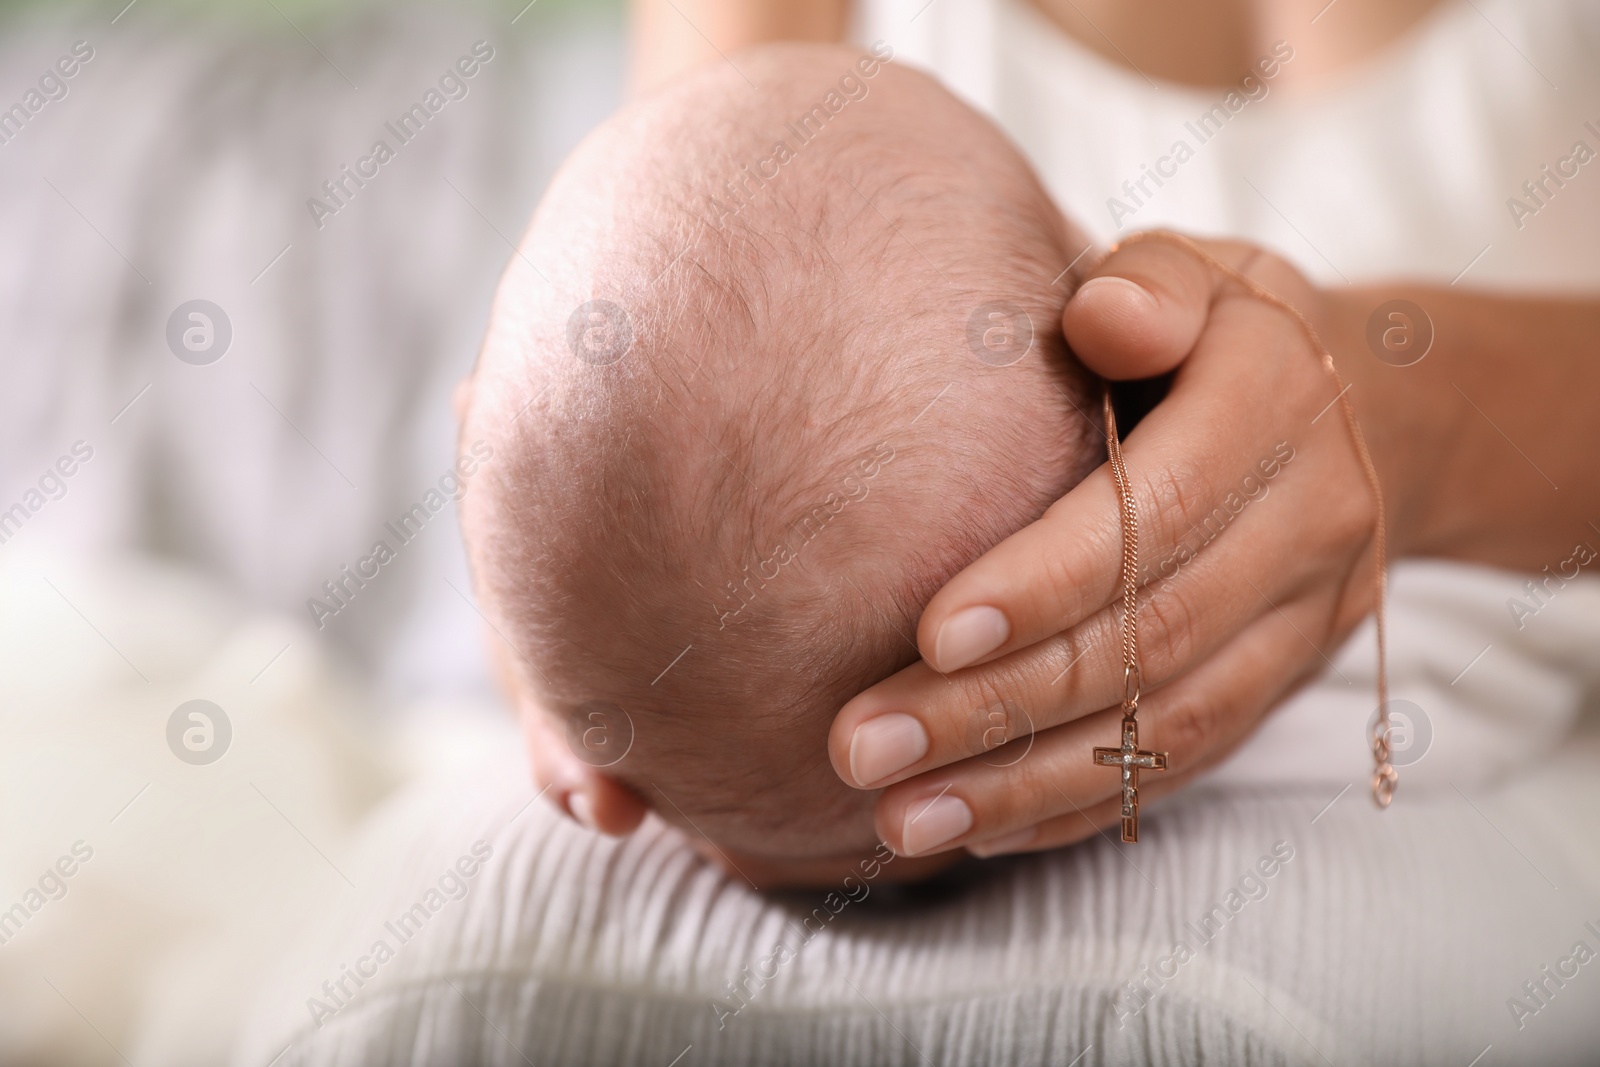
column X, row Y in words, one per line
column 1385, row 939
column 1395, row 938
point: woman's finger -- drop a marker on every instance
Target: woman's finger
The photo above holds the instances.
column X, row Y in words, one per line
column 1050, row 780
column 1184, row 460
column 1143, row 307
column 918, row 720
column 1080, row 824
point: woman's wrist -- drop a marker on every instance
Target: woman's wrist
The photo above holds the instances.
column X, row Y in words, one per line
column 1476, row 408
column 1403, row 427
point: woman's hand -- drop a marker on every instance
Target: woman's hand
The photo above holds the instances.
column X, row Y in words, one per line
column 1256, row 526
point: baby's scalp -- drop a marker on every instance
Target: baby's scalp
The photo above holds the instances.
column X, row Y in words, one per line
column 751, row 413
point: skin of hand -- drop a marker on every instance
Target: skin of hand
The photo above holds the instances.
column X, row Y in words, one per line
column 1023, row 646
column 1026, row 641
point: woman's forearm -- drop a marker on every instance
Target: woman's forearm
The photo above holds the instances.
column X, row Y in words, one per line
column 1488, row 445
column 672, row 35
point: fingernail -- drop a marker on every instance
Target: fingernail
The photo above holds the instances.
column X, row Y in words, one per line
column 969, row 634
column 884, row 745
column 1020, row 839
column 581, row 808
column 942, row 819
column 1119, row 290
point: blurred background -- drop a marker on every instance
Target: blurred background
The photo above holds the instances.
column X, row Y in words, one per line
column 177, row 167
column 216, row 396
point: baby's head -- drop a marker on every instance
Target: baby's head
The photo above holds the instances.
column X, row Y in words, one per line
column 779, row 355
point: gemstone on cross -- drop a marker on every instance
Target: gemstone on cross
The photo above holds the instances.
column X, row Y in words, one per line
column 1132, row 761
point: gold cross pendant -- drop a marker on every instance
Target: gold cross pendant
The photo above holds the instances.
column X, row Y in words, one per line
column 1131, row 760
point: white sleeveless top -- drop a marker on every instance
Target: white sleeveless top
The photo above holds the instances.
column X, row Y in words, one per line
column 1402, row 169
column 1411, row 166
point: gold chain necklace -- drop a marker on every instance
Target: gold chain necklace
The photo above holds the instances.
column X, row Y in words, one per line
column 1128, row 756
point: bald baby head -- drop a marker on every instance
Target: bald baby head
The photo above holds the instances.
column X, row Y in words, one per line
column 779, row 355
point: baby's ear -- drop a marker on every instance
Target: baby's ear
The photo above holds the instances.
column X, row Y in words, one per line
column 587, row 794
column 590, row 796
column 602, row 803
